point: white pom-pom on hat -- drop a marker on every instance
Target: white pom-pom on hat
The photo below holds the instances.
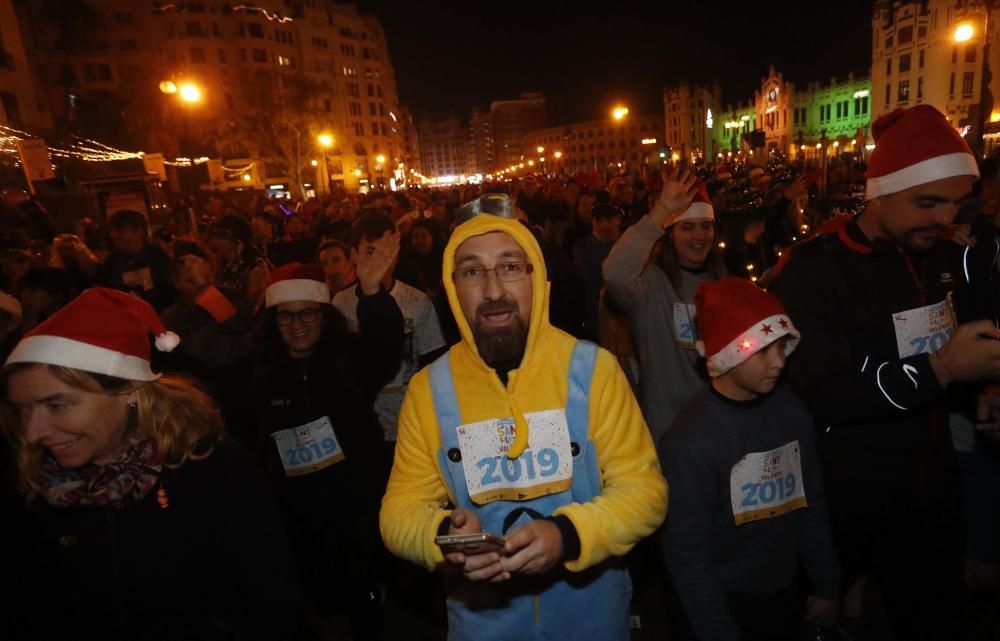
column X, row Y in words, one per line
column 167, row 341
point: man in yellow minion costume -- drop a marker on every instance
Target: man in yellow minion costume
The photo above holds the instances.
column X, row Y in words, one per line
column 524, row 432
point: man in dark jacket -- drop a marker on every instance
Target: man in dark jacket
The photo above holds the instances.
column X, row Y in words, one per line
column 134, row 265
column 879, row 349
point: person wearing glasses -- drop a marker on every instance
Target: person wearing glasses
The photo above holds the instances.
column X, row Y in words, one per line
column 318, row 438
column 526, row 434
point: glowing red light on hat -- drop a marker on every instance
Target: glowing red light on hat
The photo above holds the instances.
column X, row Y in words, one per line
column 746, row 344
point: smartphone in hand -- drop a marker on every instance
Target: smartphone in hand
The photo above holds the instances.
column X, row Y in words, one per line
column 477, row 543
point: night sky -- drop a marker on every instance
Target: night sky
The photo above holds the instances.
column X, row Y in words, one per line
column 452, row 56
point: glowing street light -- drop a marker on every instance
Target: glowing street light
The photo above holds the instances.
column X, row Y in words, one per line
column 380, row 159
column 357, row 172
column 540, row 150
column 619, row 112
column 325, row 140
column 963, row 32
column 168, row 87
column 558, row 155
column 189, row 92
column 314, row 163
column 531, row 163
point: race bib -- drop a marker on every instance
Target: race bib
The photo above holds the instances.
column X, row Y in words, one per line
column 925, row 329
column 684, row 327
column 308, row 447
column 766, row 484
column 545, row 467
column 139, row 278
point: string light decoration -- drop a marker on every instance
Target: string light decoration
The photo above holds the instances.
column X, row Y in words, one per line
column 274, row 17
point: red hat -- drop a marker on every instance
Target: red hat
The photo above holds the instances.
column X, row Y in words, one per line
column 296, row 281
column 915, row 146
column 736, row 319
column 700, row 208
column 103, row 331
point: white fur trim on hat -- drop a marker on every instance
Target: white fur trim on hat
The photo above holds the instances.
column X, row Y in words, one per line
column 66, row 352
column 763, row 333
column 925, row 171
column 293, row 289
column 697, row 211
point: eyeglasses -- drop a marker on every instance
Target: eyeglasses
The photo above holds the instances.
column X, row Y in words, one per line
column 305, row 316
column 506, row 272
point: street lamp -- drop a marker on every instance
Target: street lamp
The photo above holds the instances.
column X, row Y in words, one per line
column 189, row 92
column 963, row 33
column 379, row 163
column 619, row 113
column 540, row 150
column 325, row 141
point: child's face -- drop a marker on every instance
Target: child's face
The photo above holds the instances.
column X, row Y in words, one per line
column 759, row 374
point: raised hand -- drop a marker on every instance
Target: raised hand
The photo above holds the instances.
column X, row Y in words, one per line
column 374, row 259
column 678, row 192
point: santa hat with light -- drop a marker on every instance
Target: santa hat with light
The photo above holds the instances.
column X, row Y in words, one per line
column 102, row 331
column 915, row 146
column 736, row 319
column 700, row 208
column 294, row 282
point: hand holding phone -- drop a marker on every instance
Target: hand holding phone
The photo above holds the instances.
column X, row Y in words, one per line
column 470, row 544
column 477, row 553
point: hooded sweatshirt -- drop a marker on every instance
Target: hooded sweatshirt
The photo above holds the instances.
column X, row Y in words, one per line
column 633, row 493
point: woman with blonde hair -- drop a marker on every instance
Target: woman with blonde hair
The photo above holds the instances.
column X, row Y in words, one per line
column 142, row 520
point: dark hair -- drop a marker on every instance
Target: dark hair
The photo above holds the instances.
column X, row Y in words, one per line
column 671, row 264
column 52, row 280
column 271, row 346
column 127, row 219
column 371, row 224
column 606, row 210
column 333, row 243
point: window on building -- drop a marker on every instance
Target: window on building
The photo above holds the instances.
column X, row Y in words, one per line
column 920, row 88
column 284, row 61
column 254, row 30
column 904, row 35
column 904, row 91
column 359, row 129
column 215, row 30
column 222, row 56
column 951, row 85
column 382, row 127
column 229, row 101
column 954, row 54
column 888, row 66
column 838, row 110
column 922, row 31
column 888, row 42
column 970, row 53
column 888, row 94
column 104, row 73
column 374, row 128
column 371, row 90
column 371, row 109
column 129, row 44
column 259, row 55
column 327, row 105
column 904, row 62
column 920, row 59
column 197, row 55
column 193, row 29
column 967, row 79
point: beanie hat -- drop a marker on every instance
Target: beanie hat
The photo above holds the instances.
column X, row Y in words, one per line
column 736, row 319
column 915, row 146
column 103, row 331
column 296, row 281
column 700, row 208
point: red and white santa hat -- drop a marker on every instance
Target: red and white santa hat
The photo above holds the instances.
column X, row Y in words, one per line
column 915, row 146
column 296, row 281
column 700, row 208
column 103, row 331
column 736, row 319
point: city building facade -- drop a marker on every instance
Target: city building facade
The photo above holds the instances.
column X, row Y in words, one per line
column 690, row 113
column 483, row 146
column 22, row 104
column 596, row 145
column 446, row 151
column 316, row 67
column 511, row 120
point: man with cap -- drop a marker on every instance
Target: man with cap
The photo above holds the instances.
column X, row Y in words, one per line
column 522, row 432
column 880, row 349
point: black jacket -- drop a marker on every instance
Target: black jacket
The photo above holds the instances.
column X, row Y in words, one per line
column 332, row 512
column 883, row 418
column 123, row 272
column 213, row 564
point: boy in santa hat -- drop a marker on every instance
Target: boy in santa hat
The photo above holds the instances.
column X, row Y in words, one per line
column 746, row 490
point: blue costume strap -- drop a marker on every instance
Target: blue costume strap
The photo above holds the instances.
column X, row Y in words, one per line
column 581, row 373
column 445, row 401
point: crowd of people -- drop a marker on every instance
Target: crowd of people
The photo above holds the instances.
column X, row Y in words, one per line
column 771, row 390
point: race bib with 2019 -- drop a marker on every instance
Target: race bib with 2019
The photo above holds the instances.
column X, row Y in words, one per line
column 925, row 329
column 684, row 327
column 308, row 448
column 545, row 467
column 763, row 485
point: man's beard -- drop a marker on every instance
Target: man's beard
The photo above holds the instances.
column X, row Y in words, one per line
column 502, row 348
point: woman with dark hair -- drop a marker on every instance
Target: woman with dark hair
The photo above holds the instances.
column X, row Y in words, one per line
column 143, row 521
column 657, row 293
column 318, row 437
column 239, row 268
column 422, row 256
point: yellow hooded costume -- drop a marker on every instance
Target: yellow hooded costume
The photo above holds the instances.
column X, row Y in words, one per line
column 630, row 494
